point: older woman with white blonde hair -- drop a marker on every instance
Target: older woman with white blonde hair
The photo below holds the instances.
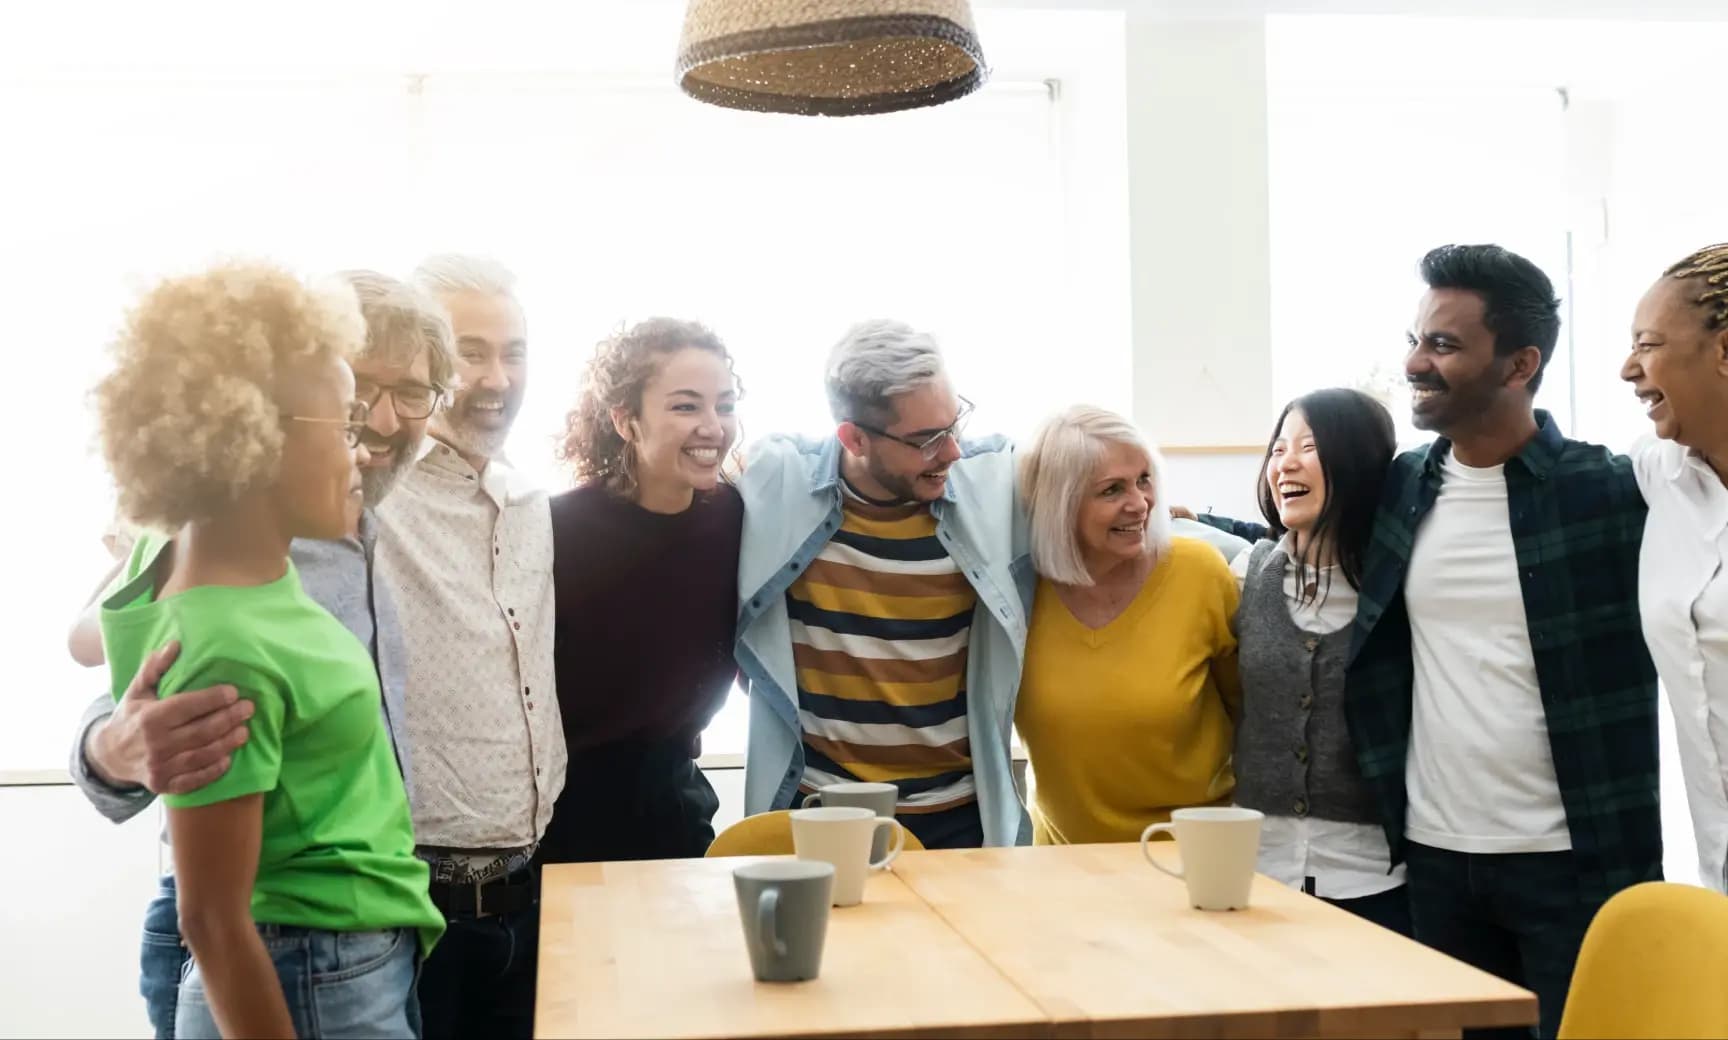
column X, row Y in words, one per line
column 1130, row 686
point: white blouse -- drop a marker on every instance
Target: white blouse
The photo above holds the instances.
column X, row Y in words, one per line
column 1683, row 599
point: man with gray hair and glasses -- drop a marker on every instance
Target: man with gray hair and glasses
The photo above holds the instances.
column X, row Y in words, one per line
column 885, row 584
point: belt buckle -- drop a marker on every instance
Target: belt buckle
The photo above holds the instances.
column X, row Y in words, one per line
column 479, row 892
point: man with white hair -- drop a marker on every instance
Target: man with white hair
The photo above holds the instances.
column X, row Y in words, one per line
column 466, row 543
column 885, row 585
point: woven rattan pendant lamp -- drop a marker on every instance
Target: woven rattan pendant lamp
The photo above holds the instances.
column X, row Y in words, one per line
column 829, row 57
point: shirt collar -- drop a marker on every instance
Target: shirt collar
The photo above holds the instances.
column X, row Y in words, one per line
column 1538, row 456
column 1682, row 459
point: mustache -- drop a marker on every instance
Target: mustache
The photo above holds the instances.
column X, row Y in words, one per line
column 373, row 441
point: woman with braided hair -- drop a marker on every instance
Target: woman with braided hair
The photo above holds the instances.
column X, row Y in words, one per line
column 1679, row 369
column 645, row 564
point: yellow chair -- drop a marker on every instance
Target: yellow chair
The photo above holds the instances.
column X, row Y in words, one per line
column 769, row 834
column 1652, row 965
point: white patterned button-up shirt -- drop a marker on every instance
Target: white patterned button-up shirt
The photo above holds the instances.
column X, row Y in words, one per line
column 469, row 556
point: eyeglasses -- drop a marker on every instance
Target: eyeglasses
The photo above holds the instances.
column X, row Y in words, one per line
column 411, row 400
column 351, row 426
column 931, row 446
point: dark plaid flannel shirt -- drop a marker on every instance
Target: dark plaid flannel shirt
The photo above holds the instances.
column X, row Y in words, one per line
column 1577, row 519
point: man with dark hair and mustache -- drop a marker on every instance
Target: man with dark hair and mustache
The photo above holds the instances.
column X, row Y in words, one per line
column 466, row 543
column 129, row 752
column 1500, row 696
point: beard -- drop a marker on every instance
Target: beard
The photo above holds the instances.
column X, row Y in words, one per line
column 470, row 433
column 901, row 487
column 1461, row 403
column 376, row 482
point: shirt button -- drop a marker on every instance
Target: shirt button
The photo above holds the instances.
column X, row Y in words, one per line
column 530, row 705
column 536, row 770
column 755, row 603
column 494, row 550
column 510, row 610
column 526, row 692
column 517, row 625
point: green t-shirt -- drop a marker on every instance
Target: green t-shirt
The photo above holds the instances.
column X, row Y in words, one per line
column 337, row 851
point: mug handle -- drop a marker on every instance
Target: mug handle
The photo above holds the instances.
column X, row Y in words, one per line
column 813, row 798
column 767, row 914
column 899, row 840
column 1145, row 850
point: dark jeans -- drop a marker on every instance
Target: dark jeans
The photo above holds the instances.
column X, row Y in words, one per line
column 958, row 828
column 479, row 980
column 631, row 800
column 1518, row 915
column 1389, row 910
column 161, row 960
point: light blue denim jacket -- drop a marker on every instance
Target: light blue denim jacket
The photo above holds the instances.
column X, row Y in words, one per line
column 791, row 489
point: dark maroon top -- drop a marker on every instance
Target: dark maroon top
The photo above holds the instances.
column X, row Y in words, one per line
column 647, row 608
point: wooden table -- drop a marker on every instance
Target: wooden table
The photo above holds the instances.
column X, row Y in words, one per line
column 1081, row 941
column 1109, row 947
column 656, row 949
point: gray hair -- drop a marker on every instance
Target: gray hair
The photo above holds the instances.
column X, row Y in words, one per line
column 875, row 362
column 1054, row 475
column 401, row 322
column 456, row 272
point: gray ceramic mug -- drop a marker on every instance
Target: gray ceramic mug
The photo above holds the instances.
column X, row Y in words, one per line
column 881, row 799
column 783, row 905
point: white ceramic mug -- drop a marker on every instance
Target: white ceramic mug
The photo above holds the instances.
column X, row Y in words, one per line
column 881, row 799
column 1219, row 848
column 841, row 835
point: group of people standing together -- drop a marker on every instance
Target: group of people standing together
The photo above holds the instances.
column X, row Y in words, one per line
column 379, row 679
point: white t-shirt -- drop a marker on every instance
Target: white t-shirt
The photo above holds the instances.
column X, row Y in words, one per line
column 1480, row 773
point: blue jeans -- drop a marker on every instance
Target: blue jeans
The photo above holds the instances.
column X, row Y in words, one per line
column 162, row 960
column 337, row 984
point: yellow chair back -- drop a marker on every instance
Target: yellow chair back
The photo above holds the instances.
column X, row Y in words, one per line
column 1652, row 966
column 769, row 834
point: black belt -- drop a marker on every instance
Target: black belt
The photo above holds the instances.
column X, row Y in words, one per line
column 502, row 895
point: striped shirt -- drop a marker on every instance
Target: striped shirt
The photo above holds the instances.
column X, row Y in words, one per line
column 880, row 625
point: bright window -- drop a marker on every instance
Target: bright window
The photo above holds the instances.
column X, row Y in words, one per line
column 613, row 197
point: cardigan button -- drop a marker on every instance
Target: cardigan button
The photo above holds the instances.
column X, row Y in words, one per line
column 1310, row 644
column 1305, row 701
column 1302, row 753
column 1300, row 807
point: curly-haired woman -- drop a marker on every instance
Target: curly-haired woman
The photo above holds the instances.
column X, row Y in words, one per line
column 229, row 420
column 645, row 560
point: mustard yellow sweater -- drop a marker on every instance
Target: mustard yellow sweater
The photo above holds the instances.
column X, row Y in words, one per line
column 1126, row 722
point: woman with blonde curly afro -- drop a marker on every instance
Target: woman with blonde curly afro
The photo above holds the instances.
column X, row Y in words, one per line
column 230, row 425
column 645, row 562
